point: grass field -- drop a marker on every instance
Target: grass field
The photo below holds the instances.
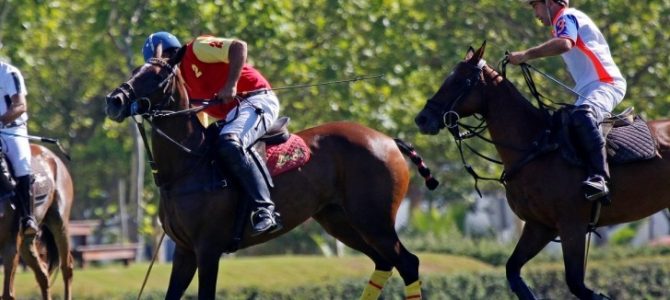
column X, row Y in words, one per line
column 268, row 273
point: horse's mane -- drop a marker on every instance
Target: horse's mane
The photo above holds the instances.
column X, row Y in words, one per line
column 182, row 88
column 492, row 75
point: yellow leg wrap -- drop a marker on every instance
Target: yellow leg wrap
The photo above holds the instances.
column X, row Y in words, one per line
column 375, row 285
column 413, row 291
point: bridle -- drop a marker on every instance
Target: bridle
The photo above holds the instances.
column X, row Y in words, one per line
column 149, row 112
column 166, row 87
column 451, row 119
column 449, row 116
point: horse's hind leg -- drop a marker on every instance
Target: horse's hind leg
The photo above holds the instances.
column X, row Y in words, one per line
column 534, row 238
column 54, row 222
column 183, row 269
column 32, row 259
column 387, row 243
column 333, row 220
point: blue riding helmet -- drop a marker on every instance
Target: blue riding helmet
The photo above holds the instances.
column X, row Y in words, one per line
column 168, row 40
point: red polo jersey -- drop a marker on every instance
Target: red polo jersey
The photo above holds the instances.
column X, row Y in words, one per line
column 205, row 70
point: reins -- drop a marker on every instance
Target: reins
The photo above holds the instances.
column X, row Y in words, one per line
column 476, row 131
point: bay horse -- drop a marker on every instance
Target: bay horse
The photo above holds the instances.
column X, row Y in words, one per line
column 545, row 191
column 52, row 194
column 352, row 186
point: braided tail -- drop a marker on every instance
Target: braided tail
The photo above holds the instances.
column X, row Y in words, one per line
column 409, row 150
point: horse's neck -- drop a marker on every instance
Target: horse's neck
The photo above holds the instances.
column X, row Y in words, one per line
column 512, row 120
column 180, row 133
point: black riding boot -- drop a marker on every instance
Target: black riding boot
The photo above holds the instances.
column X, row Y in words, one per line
column 250, row 178
column 588, row 134
column 24, row 202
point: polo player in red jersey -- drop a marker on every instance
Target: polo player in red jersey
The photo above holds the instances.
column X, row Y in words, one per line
column 215, row 68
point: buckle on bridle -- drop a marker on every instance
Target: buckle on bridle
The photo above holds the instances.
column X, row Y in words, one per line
column 449, row 121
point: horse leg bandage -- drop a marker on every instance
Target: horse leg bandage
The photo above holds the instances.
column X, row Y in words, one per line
column 375, row 285
column 413, row 291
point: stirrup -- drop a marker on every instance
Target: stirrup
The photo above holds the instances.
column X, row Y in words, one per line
column 267, row 221
column 29, row 227
column 595, row 188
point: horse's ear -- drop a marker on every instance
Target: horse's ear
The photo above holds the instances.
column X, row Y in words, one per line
column 470, row 53
column 177, row 57
column 479, row 54
column 158, row 53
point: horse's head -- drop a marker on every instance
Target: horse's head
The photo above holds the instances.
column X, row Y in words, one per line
column 455, row 98
column 150, row 88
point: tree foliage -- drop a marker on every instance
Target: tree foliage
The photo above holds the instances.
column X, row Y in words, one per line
column 74, row 52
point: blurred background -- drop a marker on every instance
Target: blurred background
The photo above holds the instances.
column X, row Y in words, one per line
column 72, row 53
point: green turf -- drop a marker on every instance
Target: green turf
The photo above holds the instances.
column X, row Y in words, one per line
column 267, row 273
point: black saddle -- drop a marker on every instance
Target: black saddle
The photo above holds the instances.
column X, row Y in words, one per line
column 276, row 134
column 628, row 138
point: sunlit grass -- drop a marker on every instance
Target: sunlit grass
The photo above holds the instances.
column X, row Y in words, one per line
column 271, row 273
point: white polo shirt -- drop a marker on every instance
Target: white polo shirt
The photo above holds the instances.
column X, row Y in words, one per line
column 11, row 83
column 589, row 60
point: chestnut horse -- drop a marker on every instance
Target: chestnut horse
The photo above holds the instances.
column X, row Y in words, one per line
column 52, row 194
column 352, row 185
column 545, row 191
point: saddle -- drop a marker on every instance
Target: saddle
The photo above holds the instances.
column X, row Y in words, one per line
column 627, row 138
column 276, row 152
column 41, row 184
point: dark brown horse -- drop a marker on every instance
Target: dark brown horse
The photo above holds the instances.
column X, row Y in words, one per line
column 352, row 185
column 53, row 195
column 545, row 192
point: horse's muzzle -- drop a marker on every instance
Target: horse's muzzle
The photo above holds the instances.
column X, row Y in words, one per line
column 116, row 108
column 426, row 124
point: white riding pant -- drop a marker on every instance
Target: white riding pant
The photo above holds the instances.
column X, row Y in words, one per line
column 249, row 125
column 17, row 149
column 602, row 97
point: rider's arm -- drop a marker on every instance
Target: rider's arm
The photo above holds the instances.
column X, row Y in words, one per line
column 565, row 32
column 237, row 56
column 553, row 47
column 18, row 107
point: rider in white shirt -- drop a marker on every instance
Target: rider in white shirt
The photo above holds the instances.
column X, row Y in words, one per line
column 599, row 83
column 15, row 145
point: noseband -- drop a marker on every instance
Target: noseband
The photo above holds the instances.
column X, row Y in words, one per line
column 164, row 87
